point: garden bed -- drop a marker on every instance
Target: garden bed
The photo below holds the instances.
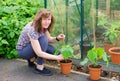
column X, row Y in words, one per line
column 112, row 75
column 115, row 76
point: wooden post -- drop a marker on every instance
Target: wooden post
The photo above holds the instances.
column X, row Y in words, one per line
column 107, row 7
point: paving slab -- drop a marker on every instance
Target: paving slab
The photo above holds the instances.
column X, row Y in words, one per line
column 16, row 70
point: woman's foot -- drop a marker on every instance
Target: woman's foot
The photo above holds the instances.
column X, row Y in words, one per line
column 31, row 64
column 44, row 71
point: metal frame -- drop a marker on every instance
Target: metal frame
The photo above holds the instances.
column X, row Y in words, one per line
column 81, row 12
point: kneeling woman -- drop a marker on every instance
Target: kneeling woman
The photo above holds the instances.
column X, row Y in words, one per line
column 34, row 41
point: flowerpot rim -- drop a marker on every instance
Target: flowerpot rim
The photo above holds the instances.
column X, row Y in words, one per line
column 67, row 62
column 93, row 67
column 114, row 48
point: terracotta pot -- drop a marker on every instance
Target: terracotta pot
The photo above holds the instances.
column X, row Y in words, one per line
column 66, row 67
column 107, row 47
column 115, row 55
column 95, row 72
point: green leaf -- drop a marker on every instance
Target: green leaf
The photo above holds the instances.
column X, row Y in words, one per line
column 105, row 57
column 100, row 52
column 92, row 55
column 4, row 42
column 84, row 61
column 67, row 51
column 12, row 34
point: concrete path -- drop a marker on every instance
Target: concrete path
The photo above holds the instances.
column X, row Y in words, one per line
column 16, row 70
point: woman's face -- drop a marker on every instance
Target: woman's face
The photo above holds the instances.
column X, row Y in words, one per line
column 46, row 22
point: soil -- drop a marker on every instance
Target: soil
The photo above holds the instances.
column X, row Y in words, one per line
column 91, row 66
column 114, row 76
column 66, row 61
column 116, row 51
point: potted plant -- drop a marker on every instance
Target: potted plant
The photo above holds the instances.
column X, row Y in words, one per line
column 108, row 35
column 111, row 37
column 115, row 51
column 112, row 34
column 66, row 64
column 94, row 56
column 111, row 31
column 115, row 55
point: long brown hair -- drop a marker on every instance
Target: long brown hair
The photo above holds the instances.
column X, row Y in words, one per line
column 45, row 13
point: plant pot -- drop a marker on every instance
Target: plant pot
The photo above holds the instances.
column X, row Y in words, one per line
column 107, row 47
column 115, row 55
column 66, row 67
column 95, row 72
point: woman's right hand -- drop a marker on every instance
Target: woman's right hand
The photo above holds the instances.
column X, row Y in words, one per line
column 60, row 57
column 61, row 37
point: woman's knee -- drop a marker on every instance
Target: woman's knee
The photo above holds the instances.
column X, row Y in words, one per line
column 51, row 49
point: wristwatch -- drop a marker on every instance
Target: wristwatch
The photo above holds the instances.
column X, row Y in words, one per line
column 57, row 39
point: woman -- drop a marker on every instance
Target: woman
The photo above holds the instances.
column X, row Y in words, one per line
column 34, row 41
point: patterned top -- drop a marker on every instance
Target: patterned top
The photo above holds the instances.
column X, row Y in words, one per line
column 24, row 39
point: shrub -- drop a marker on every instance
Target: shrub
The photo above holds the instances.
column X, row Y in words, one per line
column 14, row 14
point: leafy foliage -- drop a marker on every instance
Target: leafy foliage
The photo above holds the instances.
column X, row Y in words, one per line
column 95, row 55
column 112, row 31
column 111, row 28
column 114, row 4
column 67, row 52
column 14, row 14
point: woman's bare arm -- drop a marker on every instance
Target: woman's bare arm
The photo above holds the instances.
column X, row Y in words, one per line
column 40, row 53
column 53, row 39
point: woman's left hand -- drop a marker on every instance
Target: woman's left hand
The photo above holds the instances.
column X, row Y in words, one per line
column 61, row 37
